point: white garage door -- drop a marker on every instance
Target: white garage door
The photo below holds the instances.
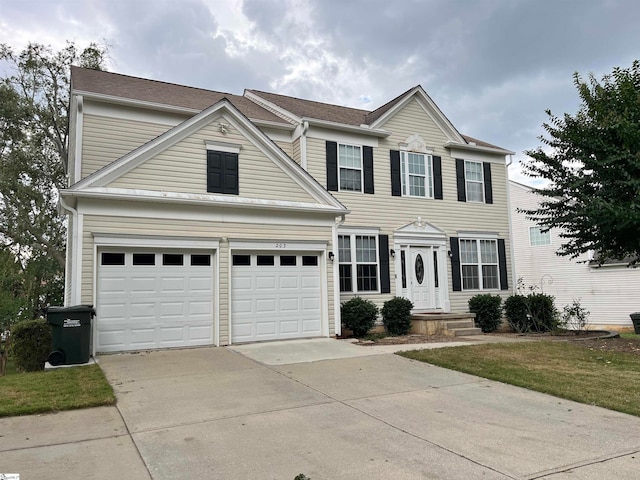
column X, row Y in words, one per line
column 275, row 296
column 154, row 299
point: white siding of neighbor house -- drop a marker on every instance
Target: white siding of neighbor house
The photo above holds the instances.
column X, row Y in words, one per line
column 388, row 213
column 182, row 168
column 128, row 225
column 610, row 293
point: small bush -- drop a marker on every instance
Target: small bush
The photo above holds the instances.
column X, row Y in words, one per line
column 488, row 310
column 30, row 344
column 575, row 317
column 531, row 313
column 359, row 315
column 396, row 315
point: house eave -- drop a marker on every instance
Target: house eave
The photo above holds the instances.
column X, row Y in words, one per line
column 372, row 132
column 477, row 148
column 197, row 199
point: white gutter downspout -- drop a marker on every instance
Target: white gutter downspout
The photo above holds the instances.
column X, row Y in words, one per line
column 303, row 144
column 514, row 280
column 76, row 261
column 336, row 278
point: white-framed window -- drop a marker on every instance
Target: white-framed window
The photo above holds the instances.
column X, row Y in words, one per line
column 474, row 181
column 479, row 264
column 358, row 262
column 350, row 171
column 416, row 173
column 538, row 238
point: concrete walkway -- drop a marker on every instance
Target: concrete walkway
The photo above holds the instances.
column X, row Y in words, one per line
column 215, row 413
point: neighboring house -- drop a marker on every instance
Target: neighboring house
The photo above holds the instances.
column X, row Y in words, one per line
column 198, row 217
column 609, row 292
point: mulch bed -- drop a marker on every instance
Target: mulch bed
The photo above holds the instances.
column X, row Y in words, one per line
column 589, row 340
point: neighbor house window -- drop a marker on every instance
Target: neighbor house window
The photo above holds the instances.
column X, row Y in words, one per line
column 416, row 173
column 350, row 168
column 538, row 238
column 479, row 264
column 358, row 263
column 474, row 181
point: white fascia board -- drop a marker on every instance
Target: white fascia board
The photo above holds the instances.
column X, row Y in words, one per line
column 466, row 147
column 370, row 132
column 275, row 125
column 289, row 116
column 283, row 245
column 165, row 241
column 199, row 199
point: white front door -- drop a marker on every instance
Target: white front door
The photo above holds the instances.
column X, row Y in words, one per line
column 421, row 278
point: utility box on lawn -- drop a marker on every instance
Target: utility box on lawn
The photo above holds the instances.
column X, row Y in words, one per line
column 635, row 318
column 70, row 334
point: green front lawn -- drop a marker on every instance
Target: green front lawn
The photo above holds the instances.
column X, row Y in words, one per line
column 52, row 391
column 606, row 379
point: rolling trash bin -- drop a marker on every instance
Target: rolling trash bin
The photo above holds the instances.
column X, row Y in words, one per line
column 70, row 334
column 635, row 318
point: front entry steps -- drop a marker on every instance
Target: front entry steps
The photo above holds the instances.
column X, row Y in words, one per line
column 450, row 324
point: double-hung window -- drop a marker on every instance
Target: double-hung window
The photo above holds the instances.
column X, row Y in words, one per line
column 479, row 264
column 538, row 238
column 358, row 263
column 416, row 173
column 474, row 181
column 350, row 168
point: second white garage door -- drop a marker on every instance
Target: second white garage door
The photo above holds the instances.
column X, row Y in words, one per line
column 275, row 296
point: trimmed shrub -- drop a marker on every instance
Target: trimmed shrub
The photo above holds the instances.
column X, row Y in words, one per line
column 531, row 313
column 30, row 344
column 396, row 315
column 359, row 315
column 488, row 310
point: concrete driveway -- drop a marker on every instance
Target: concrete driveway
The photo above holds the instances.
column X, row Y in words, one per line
column 216, row 413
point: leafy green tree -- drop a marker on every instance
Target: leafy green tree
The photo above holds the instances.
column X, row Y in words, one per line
column 591, row 161
column 34, row 130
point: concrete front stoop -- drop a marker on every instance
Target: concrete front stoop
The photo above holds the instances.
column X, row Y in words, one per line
column 450, row 324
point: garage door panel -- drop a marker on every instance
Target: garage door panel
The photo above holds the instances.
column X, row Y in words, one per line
column 153, row 306
column 269, row 302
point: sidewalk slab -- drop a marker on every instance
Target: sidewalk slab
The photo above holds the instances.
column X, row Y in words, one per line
column 620, row 468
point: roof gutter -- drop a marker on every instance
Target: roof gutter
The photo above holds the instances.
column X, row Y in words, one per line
column 478, row 148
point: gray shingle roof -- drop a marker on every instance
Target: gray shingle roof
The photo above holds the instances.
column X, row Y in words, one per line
column 124, row 86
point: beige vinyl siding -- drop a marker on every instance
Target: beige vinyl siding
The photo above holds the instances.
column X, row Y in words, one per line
column 200, row 229
column 296, row 150
column 287, row 147
column 610, row 293
column 182, row 168
column 389, row 213
column 105, row 139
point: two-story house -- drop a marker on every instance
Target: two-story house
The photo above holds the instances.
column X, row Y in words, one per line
column 204, row 218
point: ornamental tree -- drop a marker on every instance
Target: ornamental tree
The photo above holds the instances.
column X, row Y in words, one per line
column 591, row 164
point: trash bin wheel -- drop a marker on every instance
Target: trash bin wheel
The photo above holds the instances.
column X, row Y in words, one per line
column 57, row 357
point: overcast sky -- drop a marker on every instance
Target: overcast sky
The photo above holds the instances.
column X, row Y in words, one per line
column 492, row 66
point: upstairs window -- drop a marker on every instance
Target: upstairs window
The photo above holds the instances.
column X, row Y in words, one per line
column 538, row 238
column 474, row 181
column 350, row 168
column 222, row 172
column 416, row 173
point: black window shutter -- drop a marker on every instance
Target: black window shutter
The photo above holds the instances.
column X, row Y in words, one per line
column 385, row 278
column 437, row 178
column 332, row 166
column 462, row 189
column 214, row 172
column 502, row 261
column 396, row 184
column 456, row 277
column 367, row 160
column 488, row 189
column 230, row 169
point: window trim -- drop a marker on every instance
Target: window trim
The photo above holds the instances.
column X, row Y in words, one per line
column 479, row 263
column 352, row 234
column 467, row 181
column 541, row 234
column 429, row 187
column 360, row 147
